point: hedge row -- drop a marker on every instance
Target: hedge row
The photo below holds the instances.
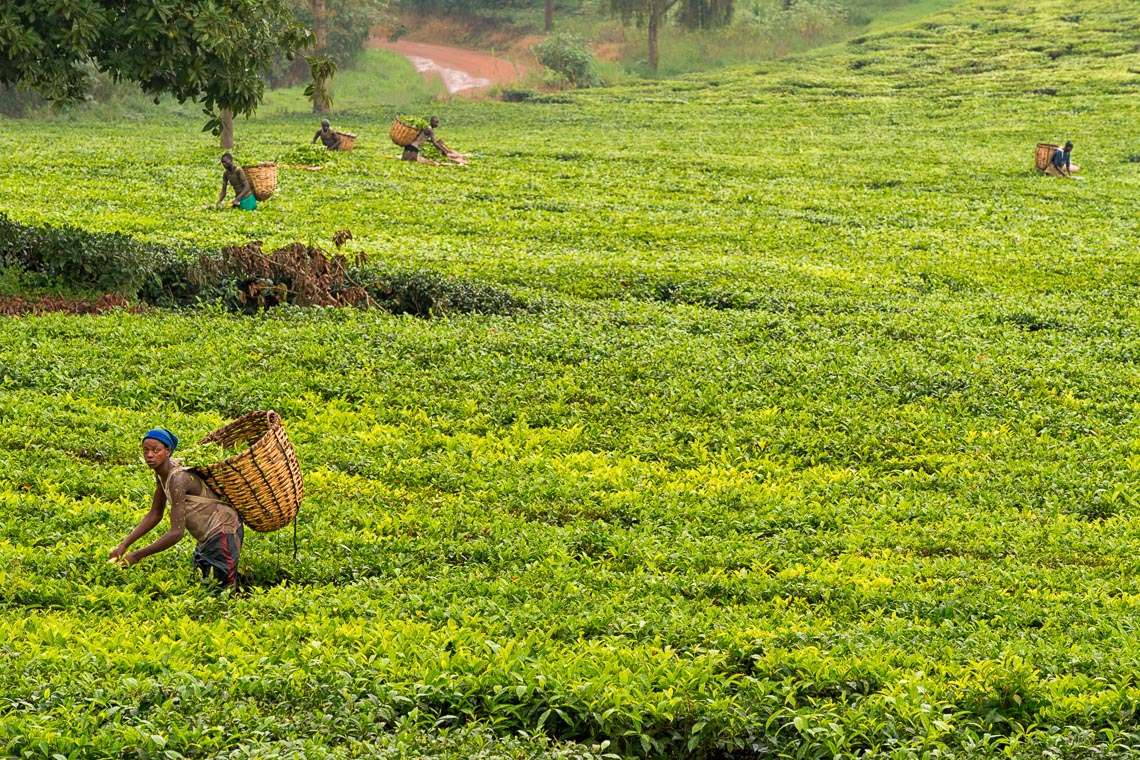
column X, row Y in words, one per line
column 160, row 275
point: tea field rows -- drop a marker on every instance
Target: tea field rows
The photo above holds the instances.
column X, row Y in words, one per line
column 818, row 437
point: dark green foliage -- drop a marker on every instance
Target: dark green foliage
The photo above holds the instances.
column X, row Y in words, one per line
column 691, row 14
column 168, row 284
column 348, row 24
column 75, row 258
column 245, row 279
column 431, row 294
column 569, row 55
column 17, row 103
column 512, row 95
column 161, row 276
column 705, row 14
column 322, row 67
column 205, row 51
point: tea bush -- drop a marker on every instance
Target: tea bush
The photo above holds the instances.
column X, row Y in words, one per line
column 427, row 294
column 568, row 55
column 76, row 258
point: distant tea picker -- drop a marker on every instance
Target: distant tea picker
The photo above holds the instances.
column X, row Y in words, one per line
column 251, row 183
column 1055, row 160
column 234, row 176
column 333, row 139
column 413, row 134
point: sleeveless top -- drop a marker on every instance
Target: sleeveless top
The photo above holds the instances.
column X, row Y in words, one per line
column 206, row 515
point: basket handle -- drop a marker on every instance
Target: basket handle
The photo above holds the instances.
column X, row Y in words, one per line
column 271, row 417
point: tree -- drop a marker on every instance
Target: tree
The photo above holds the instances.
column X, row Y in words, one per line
column 322, row 102
column 568, row 55
column 340, row 28
column 208, row 51
column 321, row 69
column 692, row 14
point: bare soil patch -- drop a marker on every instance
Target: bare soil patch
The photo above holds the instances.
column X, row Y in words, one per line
column 20, row 305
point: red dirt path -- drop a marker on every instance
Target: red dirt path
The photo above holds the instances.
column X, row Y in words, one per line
column 460, row 70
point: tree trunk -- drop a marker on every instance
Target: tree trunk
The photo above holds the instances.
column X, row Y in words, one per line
column 654, row 23
column 549, row 15
column 298, row 72
column 226, row 138
column 321, row 97
column 321, row 86
column 319, row 25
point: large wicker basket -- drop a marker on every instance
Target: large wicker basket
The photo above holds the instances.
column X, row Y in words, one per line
column 1044, row 155
column 402, row 134
column 263, row 179
column 263, row 483
column 347, row 141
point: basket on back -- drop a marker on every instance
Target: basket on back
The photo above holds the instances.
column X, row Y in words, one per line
column 347, row 141
column 1044, row 155
column 263, row 179
column 263, row 482
column 402, row 134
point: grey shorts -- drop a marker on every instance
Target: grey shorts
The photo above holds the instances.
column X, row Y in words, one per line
column 217, row 557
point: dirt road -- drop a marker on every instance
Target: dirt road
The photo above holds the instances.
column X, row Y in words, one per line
column 458, row 69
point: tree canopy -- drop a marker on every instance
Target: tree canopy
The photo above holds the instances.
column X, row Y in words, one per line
column 210, row 51
column 347, row 24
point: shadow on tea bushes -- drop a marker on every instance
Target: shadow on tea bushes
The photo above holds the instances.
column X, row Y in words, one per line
column 430, row 294
column 76, row 258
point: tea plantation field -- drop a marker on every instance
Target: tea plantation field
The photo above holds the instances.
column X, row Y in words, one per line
column 818, row 435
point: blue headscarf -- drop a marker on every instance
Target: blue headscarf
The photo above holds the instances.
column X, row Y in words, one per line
column 163, row 436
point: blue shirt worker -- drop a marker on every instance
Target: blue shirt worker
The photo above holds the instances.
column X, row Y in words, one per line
column 1061, row 165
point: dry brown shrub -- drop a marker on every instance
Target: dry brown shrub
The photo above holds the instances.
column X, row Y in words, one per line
column 19, row 305
column 297, row 273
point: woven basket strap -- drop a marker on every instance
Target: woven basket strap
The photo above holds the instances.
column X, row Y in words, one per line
column 205, row 500
column 191, row 497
